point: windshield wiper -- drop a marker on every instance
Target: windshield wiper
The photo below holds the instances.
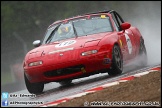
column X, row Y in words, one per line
column 74, row 30
column 52, row 34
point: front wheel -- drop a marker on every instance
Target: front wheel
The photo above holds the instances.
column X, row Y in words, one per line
column 117, row 62
column 35, row 88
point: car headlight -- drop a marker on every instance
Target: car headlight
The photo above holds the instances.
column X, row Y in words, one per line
column 36, row 63
column 89, row 52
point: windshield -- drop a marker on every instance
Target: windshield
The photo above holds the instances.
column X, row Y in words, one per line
column 77, row 28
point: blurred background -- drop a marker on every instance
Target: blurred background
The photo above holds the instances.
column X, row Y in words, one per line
column 22, row 22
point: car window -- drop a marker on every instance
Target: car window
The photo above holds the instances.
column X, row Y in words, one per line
column 92, row 26
column 65, row 31
column 116, row 24
column 118, row 20
column 77, row 28
column 48, row 33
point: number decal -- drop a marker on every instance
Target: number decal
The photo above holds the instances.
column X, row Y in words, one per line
column 66, row 43
column 129, row 44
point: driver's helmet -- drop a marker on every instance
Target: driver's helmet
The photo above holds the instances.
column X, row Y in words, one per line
column 64, row 29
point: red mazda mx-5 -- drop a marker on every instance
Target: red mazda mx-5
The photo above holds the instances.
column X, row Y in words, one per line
column 81, row 46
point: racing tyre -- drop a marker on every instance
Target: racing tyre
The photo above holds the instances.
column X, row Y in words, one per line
column 117, row 62
column 35, row 88
column 66, row 82
column 142, row 53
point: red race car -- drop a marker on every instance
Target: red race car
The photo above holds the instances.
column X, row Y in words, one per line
column 81, row 46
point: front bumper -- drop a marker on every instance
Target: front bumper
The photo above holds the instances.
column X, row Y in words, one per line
column 60, row 71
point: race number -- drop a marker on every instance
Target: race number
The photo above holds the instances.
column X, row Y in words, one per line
column 66, row 43
column 129, row 44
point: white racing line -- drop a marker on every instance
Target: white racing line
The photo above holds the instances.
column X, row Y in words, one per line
column 55, row 94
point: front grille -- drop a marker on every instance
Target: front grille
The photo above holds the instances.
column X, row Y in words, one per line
column 64, row 71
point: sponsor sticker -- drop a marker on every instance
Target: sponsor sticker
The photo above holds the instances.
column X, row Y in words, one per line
column 120, row 43
column 103, row 16
column 83, row 70
column 106, row 61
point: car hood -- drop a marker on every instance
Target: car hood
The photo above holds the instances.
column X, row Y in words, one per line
column 66, row 45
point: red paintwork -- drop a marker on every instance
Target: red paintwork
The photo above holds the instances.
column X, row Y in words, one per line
column 125, row 26
column 103, row 42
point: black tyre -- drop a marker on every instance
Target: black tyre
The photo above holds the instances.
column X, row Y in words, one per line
column 142, row 53
column 66, row 82
column 117, row 62
column 35, row 88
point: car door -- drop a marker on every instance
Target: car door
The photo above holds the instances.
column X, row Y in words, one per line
column 125, row 38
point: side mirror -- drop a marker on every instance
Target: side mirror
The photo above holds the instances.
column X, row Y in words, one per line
column 37, row 43
column 125, row 25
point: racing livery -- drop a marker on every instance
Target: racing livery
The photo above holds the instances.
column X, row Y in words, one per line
column 81, row 46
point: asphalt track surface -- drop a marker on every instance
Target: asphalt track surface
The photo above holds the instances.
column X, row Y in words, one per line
column 54, row 91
